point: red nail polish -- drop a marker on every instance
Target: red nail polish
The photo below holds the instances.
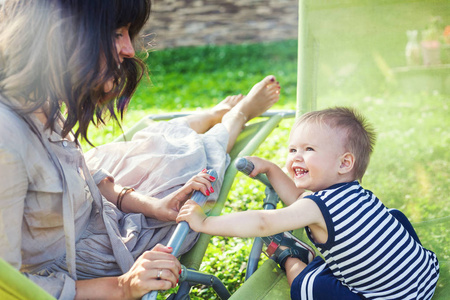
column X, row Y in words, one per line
column 170, row 248
column 207, row 193
column 204, row 171
column 180, row 272
column 212, row 178
column 178, row 280
column 212, row 190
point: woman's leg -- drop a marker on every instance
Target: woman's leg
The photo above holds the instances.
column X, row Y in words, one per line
column 260, row 98
column 202, row 122
column 235, row 111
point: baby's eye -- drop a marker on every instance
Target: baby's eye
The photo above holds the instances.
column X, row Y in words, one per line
column 309, row 149
column 292, row 150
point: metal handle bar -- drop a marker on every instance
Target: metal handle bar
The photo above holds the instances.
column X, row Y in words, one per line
column 270, row 202
column 245, row 166
column 180, row 232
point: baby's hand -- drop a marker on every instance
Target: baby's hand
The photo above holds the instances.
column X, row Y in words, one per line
column 192, row 213
column 260, row 165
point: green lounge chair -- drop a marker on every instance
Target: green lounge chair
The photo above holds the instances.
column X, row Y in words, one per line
column 14, row 285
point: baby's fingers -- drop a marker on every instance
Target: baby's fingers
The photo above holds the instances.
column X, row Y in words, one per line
column 183, row 216
column 186, row 210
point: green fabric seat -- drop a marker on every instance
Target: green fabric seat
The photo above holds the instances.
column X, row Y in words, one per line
column 268, row 282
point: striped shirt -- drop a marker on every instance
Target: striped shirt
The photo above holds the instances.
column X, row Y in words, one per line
column 368, row 250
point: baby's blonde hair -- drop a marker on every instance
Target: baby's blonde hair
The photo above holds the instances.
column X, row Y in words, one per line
column 359, row 135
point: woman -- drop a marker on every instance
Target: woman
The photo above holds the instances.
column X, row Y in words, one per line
column 60, row 223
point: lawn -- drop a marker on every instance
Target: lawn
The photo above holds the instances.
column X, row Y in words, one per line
column 409, row 169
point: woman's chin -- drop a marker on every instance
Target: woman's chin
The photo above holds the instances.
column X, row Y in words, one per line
column 108, row 87
column 109, row 92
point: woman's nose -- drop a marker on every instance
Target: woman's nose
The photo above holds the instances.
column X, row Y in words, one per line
column 127, row 49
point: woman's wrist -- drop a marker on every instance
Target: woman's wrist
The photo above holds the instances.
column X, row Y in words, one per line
column 123, row 287
column 121, row 196
column 102, row 288
column 134, row 202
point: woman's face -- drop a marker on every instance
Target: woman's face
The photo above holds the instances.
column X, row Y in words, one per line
column 124, row 49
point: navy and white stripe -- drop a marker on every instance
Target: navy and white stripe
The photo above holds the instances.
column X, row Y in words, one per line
column 368, row 250
column 307, row 285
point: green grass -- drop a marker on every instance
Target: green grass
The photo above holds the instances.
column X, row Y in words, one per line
column 409, row 169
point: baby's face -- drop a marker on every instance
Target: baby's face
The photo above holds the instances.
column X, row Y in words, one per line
column 314, row 157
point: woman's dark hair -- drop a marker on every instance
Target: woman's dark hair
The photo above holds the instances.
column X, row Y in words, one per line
column 62, row 52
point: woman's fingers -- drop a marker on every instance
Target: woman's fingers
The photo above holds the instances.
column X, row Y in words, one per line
column 162, row 248
column 173, row 202
column 160, row 265
column 202, row 182
column 154, row 270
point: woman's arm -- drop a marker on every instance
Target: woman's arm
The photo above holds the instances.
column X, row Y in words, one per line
column 154, row 270
column 165, row 209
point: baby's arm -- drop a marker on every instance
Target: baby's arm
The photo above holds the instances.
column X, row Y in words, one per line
column 252, row 223
column 283, row 185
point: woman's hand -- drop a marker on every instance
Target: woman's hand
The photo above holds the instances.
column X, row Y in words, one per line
column 167, row 208
column 192, row 213
column 154, row 270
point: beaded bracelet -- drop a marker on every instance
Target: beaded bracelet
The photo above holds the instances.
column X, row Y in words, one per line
column 122, row 194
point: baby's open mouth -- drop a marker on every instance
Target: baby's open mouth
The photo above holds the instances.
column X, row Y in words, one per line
column 300, row 172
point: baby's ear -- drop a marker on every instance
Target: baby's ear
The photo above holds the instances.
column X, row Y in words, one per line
column 347, row 163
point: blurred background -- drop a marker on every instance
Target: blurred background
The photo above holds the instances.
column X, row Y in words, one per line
column 365, row 39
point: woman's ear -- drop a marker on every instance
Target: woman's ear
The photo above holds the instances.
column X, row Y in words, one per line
column 347, row 163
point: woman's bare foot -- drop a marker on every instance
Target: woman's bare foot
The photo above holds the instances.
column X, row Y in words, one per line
column 260, row 98
column 235, row 111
